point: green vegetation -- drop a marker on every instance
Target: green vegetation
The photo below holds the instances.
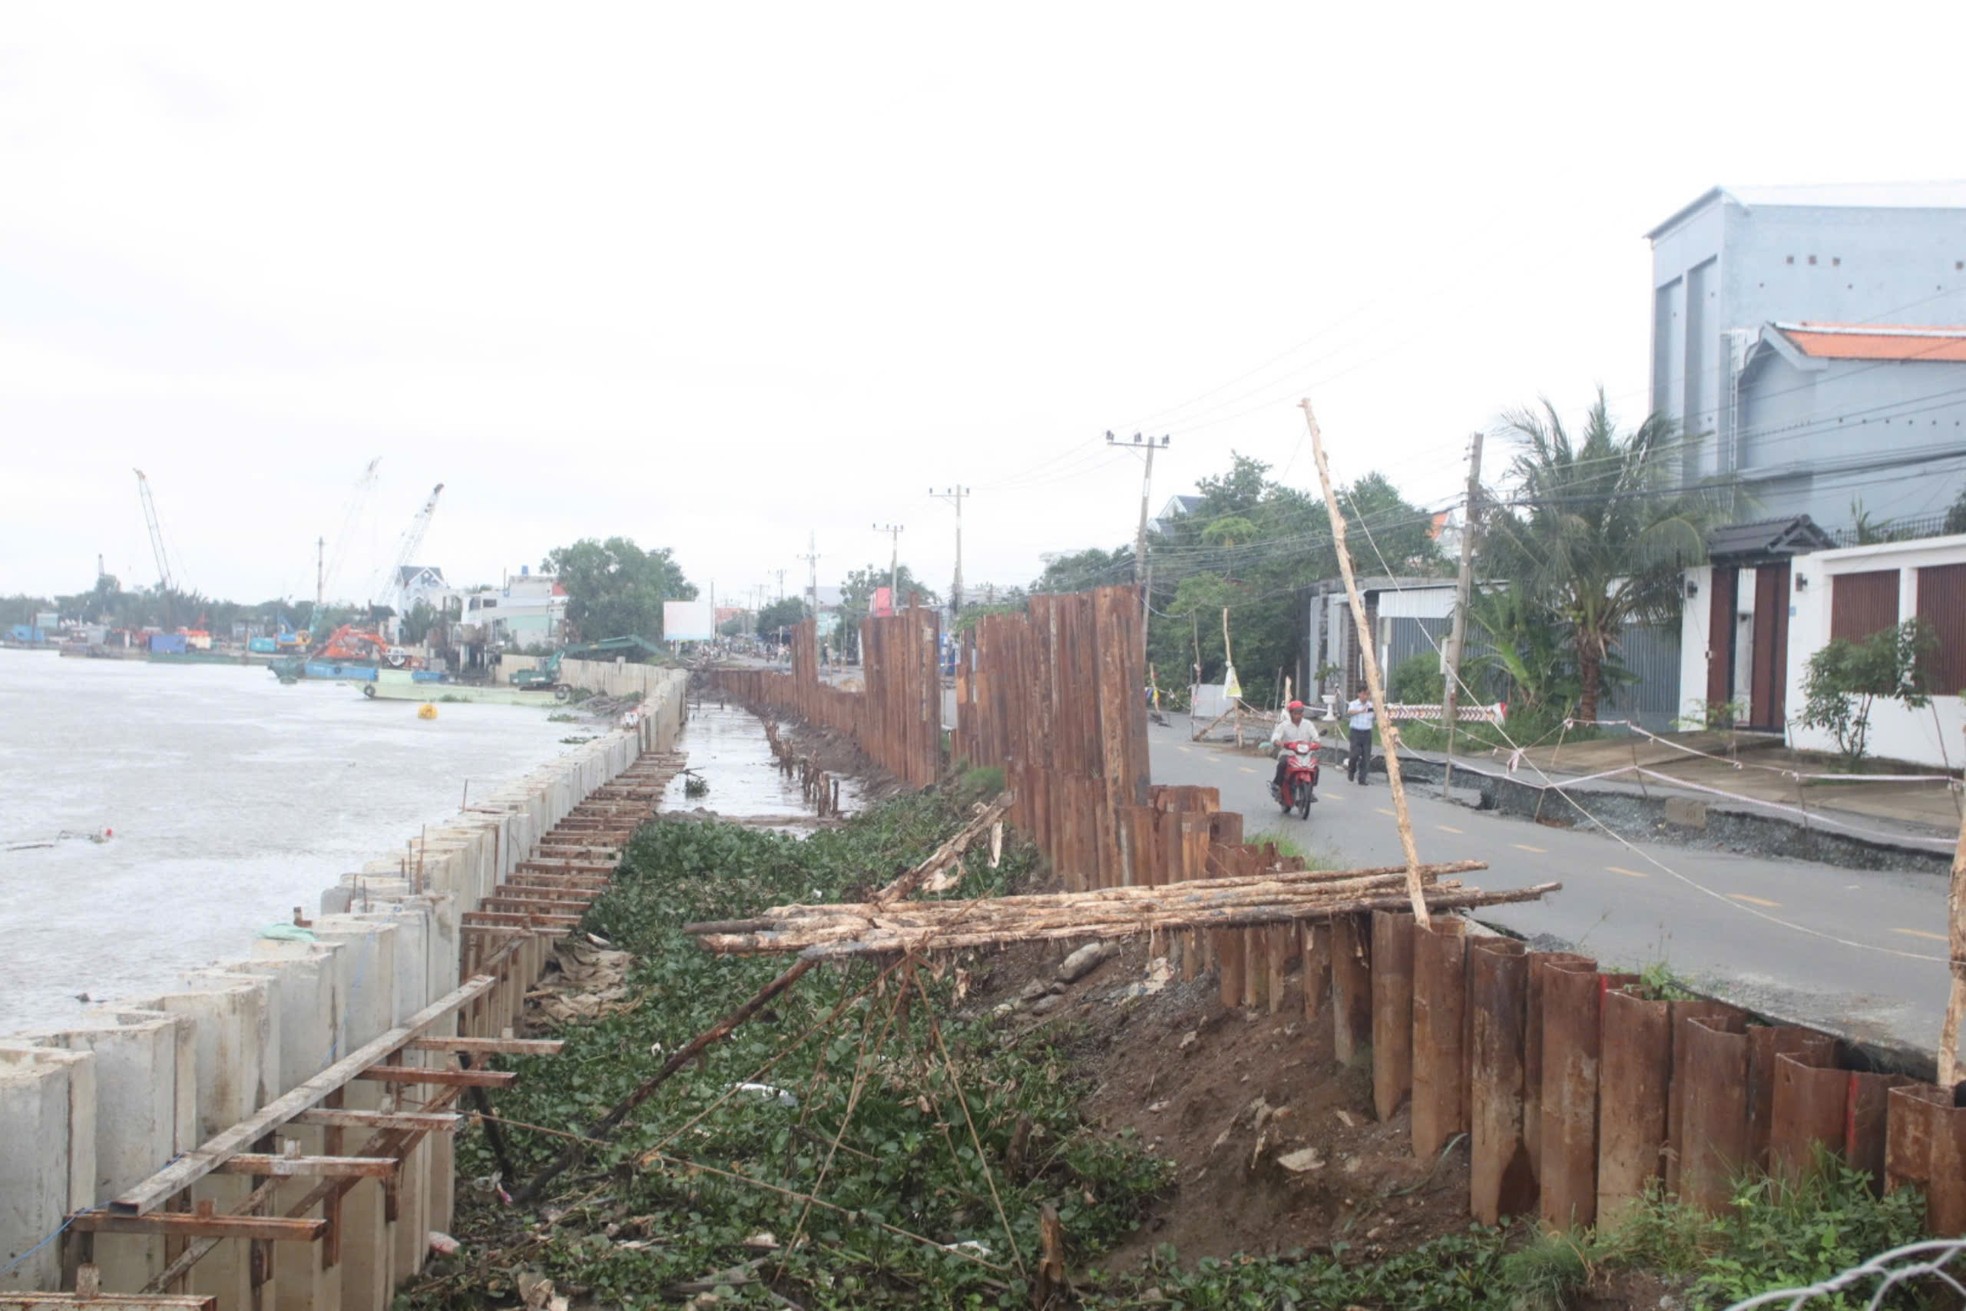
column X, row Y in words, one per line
column 1595, row 535
column 1776, row 1236
column 1418, row 680
column 775, row 620
column 615, row 588
column 918, row 1132
column 1247, row 547
column 1846, row 677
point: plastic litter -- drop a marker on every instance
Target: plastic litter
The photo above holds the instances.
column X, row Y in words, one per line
column 778, row 1095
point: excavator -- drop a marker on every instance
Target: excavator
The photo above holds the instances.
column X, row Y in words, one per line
column 547, row 675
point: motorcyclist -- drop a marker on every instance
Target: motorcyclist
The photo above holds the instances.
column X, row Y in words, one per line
column 1287, row 734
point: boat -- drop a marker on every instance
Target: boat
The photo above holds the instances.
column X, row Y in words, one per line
column 407, row 685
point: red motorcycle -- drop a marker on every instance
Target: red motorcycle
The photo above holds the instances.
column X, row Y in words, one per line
column 1299, row 786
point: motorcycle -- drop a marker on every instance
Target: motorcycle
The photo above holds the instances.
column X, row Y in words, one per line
column 1299, row 786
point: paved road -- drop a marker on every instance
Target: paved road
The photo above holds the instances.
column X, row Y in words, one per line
column 1857, row 952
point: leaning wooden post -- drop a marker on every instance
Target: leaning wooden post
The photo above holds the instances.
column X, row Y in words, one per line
column 1414, row 887
column 1950, row 1071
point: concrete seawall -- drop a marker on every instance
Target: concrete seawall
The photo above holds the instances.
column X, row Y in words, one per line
column 90, row 1110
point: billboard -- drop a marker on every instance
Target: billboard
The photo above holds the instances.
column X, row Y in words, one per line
column 688, row 621
column 828, row 623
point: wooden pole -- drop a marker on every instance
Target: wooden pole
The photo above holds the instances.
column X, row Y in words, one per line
column 1373, row 684
column 1950, row 1071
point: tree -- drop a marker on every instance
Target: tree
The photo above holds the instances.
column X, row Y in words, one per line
column 780, row 615
column 1594, row 532
column 615, row 588
column 857, row 597
column 1076, row 571
column 1846, row 677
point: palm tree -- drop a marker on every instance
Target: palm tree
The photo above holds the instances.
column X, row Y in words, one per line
column 1598, row 529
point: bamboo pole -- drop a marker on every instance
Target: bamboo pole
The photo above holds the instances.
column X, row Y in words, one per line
column 929, row 940
column 1374, row 685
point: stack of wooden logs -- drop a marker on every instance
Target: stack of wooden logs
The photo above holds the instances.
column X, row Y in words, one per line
column 1267, row 898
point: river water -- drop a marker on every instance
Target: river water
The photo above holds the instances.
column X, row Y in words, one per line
column 231, row 799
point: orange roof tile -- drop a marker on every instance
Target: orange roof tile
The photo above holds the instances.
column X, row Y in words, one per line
column 1848, row 341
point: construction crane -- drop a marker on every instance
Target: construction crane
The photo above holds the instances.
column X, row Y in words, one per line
column 393, row 591
column 326, row 576
column 165, row 581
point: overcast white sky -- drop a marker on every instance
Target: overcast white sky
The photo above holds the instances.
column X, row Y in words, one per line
column 714, row 276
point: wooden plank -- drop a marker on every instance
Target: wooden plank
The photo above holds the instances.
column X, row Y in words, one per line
column 448, row 1078
column 504, row 1046
column 324, row 1167
column 478, row 917
column 420, row 1121
column 208, row 1156
column 190, row 1224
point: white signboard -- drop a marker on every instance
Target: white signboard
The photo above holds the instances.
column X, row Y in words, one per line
column 688, row 621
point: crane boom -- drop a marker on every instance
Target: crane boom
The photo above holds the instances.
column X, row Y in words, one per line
column 412, row 539
column 164, row 579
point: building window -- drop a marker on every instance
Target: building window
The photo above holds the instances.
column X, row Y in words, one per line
column 1862, row 604
column 1942, row 605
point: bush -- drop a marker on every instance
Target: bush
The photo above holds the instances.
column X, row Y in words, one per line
column 1418, row 680
column 1846, row 677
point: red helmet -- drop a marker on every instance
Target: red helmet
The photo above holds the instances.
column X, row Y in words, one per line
column 1295, row 705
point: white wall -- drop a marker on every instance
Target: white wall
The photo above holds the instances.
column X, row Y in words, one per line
column 1932, row 736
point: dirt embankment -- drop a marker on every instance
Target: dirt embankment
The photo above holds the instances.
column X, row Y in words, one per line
column 1274, row 1144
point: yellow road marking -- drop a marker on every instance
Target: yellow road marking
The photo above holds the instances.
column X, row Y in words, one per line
column 1383, row 811
column 1524, row 846
column 1753, row 901
column 1182, row 748
column 1921, row 933
column 1447, row 828
column 1247, row 769
column 1214, row 759
column 1628, row 873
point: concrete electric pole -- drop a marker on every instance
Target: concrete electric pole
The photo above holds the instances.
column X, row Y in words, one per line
column 1462, row 591
column 811, row 557
column 893, row 530
column 954, row 496
column 1143, row 569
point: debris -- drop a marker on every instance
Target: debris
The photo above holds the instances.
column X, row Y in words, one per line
column 765, row 1090
column 1048, row 1003
column 1301, row 1161
column 1346, row 1118
column 1085, row 960
column 443, row 1244
column 1189, row 1039
column 762, row 1241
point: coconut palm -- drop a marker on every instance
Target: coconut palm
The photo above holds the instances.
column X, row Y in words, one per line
column 1598, row 529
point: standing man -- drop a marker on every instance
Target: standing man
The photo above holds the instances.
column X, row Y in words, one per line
column 1358, row 765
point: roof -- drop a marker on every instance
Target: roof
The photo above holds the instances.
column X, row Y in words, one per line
column 1833, row 195
column 1766, row 539
column 1870, row 341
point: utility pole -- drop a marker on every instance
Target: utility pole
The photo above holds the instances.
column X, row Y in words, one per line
column 811, row 557
column 320, row 570
column 781, row 584
column 954, row 496
column 893, row 530
column 1143, row 569
column 1462, row 592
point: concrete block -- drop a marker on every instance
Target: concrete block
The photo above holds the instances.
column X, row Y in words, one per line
column 1688, row 811
column 47, row 1121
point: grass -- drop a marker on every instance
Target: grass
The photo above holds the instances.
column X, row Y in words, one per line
column 1775, row 1236
column 1286, row 844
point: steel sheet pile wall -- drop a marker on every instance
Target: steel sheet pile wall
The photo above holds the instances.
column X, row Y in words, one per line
column 896, row 720
column 1579, row 1093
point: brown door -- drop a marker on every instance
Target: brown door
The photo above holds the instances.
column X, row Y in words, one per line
column 1720, row 633
column 1769, row 667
